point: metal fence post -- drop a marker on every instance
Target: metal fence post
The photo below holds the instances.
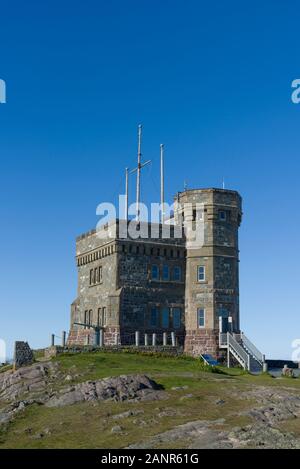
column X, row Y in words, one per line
column 153, row 339
column 173, row 339
column 165, row 339
column 63, row 338
column 137, row 338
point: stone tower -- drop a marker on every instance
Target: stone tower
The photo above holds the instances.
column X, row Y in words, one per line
column 212, row 265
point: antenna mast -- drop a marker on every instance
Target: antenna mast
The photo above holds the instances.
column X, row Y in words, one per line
column 138, row 172
column 162, row 188
column 126, row 194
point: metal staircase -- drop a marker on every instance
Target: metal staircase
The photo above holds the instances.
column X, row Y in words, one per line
column 243, row 350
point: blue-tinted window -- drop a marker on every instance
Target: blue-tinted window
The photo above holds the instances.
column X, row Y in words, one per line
column 165, row 318
column 155, row 272
column 154, row 317
column 201, row 317
column 176, row 317
column 201, row 273
column 166, row 272
column 177, row 273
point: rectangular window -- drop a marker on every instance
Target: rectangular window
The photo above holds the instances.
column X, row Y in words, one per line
column 99, row 317
column 154, row 316
column 176, row 313
column 201, row 273
column 90, row 317
column 155, row 272
column 222, row 215
column 100, row 274
column 85, row 318
column 177, row 273
column 91, row 276
column 201, row 317
column 104, row 317
column 166, row 275
column 165, row 318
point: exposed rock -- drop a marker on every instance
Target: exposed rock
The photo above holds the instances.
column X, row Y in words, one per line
column 128, row 413
column 30, row 379
column 288, row 372
column 120, row 388
column 116, row 429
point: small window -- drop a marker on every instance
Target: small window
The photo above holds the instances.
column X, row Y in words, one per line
column 165, row 318
column 100, row 274
column 151, row 251
column 99, row 317
column 222, row 215
column 153, row 317
column 199, row 215
column 104, row 317
column 166, row 273
column 201, row 273
column 177, row 273
column 91, row 276
column 165, row 252
column 86, row 318
column 176, row 313
column 90, row 317
column 155, row 272
column 137, row 249
column 201, row 317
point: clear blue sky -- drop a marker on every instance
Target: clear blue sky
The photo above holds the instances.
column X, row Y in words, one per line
column 212, row 80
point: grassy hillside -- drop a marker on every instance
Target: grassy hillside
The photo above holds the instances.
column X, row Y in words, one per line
column 192, row 395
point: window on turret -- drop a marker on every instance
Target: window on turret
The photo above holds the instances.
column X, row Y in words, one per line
column 201, row 273
column 201, row 317
column 155, row 272
column 222, row 215
column 104, row 316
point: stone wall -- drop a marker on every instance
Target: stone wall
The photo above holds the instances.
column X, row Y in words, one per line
column 23, row 354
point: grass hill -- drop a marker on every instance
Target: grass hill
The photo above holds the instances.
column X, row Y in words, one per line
column 202, row 407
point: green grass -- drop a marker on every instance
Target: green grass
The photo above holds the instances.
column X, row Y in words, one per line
column 89, row 424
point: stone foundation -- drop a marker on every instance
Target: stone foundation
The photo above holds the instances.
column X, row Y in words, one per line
column 87, row 336
column 202, row 341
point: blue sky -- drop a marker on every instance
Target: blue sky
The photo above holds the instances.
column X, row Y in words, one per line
column 211, row 80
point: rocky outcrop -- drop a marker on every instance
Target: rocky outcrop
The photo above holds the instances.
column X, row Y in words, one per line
column 35, row 385
column 27, row 380
column 119, row 388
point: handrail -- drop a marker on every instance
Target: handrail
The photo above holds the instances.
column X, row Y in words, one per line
column 239, row 350
column 223, row 339
column 252, row 349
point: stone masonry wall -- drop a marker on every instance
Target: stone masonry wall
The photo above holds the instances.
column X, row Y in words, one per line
column 23, row 354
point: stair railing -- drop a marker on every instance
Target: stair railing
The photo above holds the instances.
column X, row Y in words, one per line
column 252, row 349
column 242, row 356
